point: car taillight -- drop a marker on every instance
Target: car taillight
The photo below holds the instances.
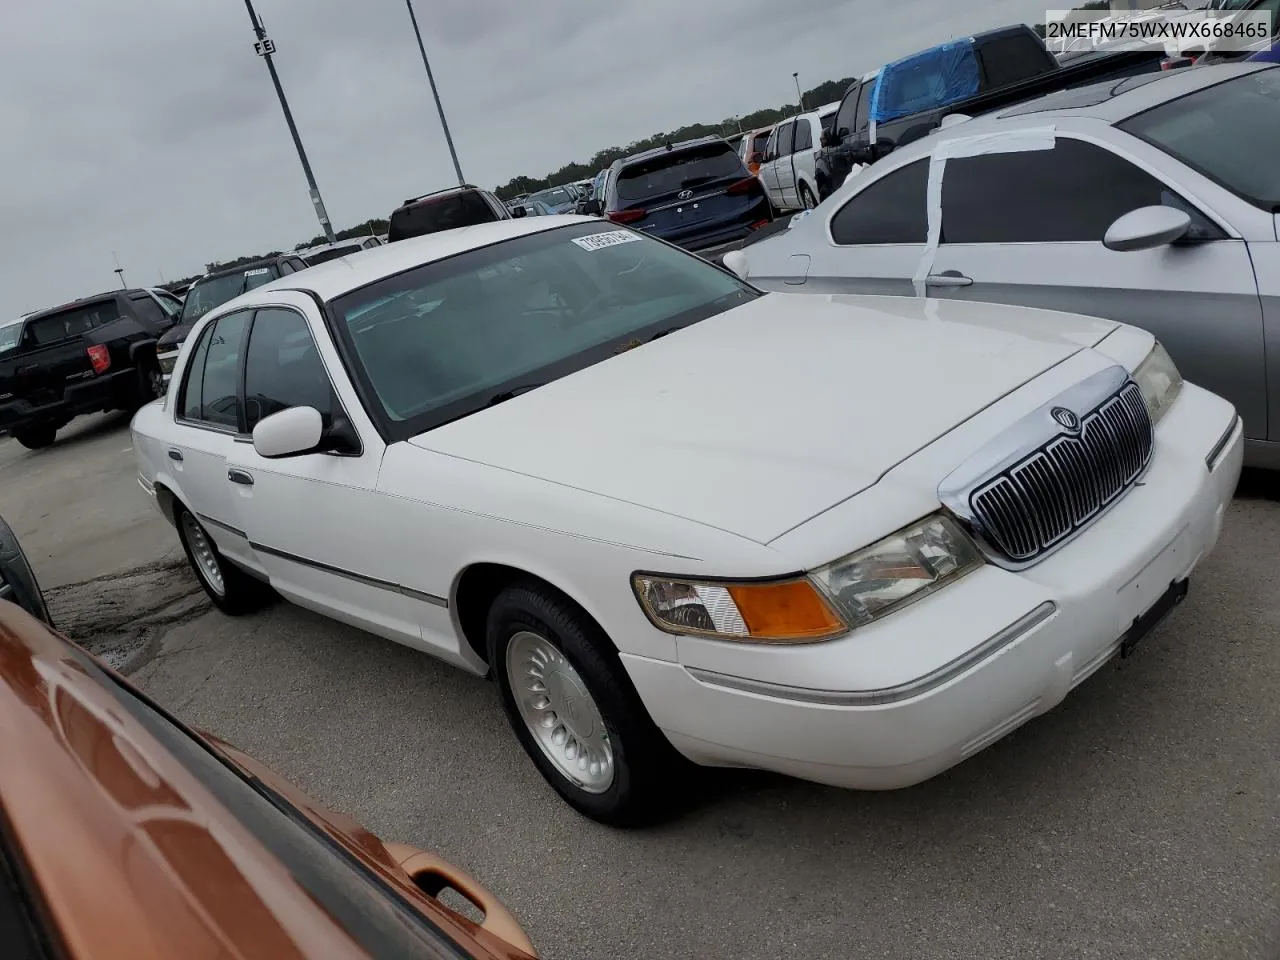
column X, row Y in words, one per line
column 99, row 357
column 745, row 185
column 627, row 216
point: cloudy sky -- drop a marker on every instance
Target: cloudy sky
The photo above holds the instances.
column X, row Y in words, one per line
column 150, row 131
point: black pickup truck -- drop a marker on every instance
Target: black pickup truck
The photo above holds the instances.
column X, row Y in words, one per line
column 88, row 356
column 907, row 99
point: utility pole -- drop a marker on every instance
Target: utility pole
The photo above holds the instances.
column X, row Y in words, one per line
column 444, row 124
column 265, row 47
column 799, row 96
column 119, row 270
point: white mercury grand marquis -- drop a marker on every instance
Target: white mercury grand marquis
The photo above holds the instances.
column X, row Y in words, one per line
column 850, row 539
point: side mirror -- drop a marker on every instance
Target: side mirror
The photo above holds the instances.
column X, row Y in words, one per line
column 593, row 207
column 433, row 876
column 736, row 262
column 519, row 212
column 289, row 433
column 17, row 582
column 1147, row 228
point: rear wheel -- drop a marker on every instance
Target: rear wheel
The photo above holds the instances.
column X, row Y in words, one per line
column 574, row 710
column 232, row 590
column 37, row 437
column 807, row 199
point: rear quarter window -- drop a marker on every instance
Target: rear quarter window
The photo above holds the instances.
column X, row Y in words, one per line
column 669, row 173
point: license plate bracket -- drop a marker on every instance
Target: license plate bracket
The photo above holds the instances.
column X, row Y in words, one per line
column 1145, row 623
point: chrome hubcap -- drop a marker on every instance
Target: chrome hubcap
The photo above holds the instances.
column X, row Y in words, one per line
column 559, row 712
column 202, row 551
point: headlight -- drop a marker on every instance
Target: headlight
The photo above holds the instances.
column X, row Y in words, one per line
column 900, row 569
column 851, row 592
column 777, row 611
column 1158, row 379
column 166, row 361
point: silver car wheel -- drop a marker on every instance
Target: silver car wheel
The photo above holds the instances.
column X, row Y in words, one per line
column 206, row 561
column 559, row 712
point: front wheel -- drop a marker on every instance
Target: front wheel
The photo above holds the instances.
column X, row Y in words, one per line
column 574, row 710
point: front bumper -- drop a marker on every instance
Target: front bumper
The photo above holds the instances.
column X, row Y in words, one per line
column 1031, row 637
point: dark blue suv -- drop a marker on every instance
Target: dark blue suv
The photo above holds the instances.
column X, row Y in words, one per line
column 697, row 194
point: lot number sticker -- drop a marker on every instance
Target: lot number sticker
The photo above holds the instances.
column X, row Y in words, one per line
column 598, row 241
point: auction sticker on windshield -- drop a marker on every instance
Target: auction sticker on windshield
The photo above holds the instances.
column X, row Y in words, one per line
column 256, row 273
column 611, row 238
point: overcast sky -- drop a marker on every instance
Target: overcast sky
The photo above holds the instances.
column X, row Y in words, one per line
column 150, row 130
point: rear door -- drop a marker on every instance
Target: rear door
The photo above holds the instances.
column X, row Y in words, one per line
column 876, row 238
column 776, row 153
column 1027, row 228
column 685, row 194
column 804, row 164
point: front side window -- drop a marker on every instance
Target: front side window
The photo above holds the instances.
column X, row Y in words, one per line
column 864, row 105
column 283, row 368
column 1229, row 132
column 149, row 310
column 846, row 116
column 449, row 338
column 890, row 210
column 1071, row 193
column 210, row 393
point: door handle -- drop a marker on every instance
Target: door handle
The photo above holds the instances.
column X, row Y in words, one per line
column 175, row 455
column 948, row 278
column 239, row 476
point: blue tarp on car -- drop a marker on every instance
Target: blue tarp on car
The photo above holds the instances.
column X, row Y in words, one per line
column 927, row 80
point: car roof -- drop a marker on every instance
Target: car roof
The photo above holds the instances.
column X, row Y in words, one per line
column 670, row 148
column 1108, row 103
column 435, row 194
column 336, row 277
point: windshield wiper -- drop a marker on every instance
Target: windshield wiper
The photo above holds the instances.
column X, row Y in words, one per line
column 506, row 395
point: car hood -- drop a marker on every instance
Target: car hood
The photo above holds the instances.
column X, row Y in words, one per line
column 175, row 335
column 762, row 417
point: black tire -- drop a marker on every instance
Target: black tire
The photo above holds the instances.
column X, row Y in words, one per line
column 240, row 593
column 807, row 200
column 644, row 761
column 36, row 438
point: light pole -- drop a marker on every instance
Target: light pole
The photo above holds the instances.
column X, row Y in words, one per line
column 799, row 96
column 444, row 124
column 265, row 47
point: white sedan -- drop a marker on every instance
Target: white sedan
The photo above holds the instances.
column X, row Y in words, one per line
column 854, row 540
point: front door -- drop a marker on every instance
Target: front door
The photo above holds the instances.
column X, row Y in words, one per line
column 316, row 521
column 1027, row 228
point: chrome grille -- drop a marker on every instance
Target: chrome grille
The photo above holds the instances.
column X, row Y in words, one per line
column 1041, row 500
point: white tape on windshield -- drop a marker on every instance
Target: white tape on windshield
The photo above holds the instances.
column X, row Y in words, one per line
column 1010, row 141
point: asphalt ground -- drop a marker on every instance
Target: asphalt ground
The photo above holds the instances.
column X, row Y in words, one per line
column 1139, row 819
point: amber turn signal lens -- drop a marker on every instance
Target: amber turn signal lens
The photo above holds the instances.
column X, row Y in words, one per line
column 782, row 612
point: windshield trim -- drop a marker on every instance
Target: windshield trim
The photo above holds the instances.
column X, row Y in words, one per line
column 1270, row 206
column 393, row 431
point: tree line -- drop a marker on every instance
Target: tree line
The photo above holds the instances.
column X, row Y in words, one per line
column 824, row 93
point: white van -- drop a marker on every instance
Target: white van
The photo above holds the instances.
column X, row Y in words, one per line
column 789, row 171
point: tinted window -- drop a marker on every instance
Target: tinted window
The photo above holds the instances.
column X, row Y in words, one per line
column 447, row 212
column 1073, row 192
column 333, row 253
column 891, row 210
column 442, row 340
column 782, row 145
column 283, row 368
column 804, row 136
column 149, row 310
column 1010, row 59
column 1229, row 132
column 168, row 303
column 286, row 268
column 845, row 116
column 9, row 334
column 69, row 323
column 219, row 402
column 669, row 173
column 760, row 141
column 864, row 106
column 215, row 291
column 193, row 385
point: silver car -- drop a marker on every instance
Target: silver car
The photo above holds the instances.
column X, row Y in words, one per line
column 1151, row 200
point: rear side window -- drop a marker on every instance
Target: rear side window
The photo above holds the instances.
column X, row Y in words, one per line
column 891, row 210
column 669, row 173
column 1071, row 193
column 1012, row 59
column 440, row 213
column 69, row 323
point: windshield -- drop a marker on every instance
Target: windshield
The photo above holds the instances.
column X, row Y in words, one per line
column 333, row 253
column 447, row 339
column 214, row 292
column 9, row 335
column 1225, row 132
column 676, row 171
column 445, row 212
column 554, row 198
